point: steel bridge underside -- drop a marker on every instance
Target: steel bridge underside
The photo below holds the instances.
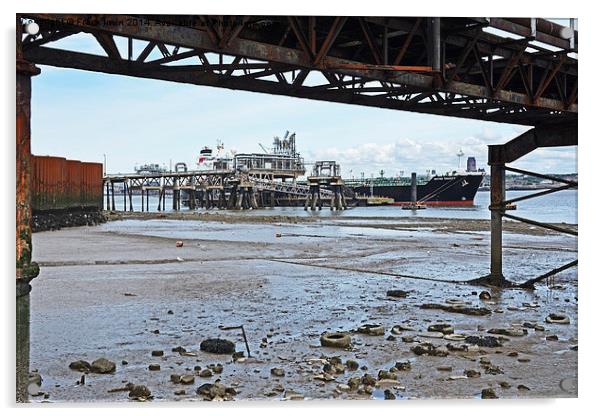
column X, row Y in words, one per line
column 447, row 66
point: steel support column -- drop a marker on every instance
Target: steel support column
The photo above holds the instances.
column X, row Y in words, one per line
column 498, row 195
column 26, row 270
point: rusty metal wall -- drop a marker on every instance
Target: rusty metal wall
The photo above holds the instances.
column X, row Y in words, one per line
column 58, row 183
column 73, row 183
column 92, row 185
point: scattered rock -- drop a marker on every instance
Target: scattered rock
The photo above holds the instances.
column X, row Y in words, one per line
column 354, row 383
column 390, row 338
column 35, row 378
column 488, row 393
column 492, row 369
column 470, row 373
column 154, row 367
column 139, row 391
column 205, row 373
column 445, row 368
column 427, row 348
column 124, row 362
column 484, row 295
column 216, row 368
column 389, row 395
column 277, row 372
column 504, row 385
column 443, row 328
column 80, row 365
column 372, row 329
column 522, row 387
column 335, row 340
column 157, row 353
column 179, row 392
column 102, row 366
column 218, row 346
column 552, row 338
column 403, row 365
column 368, row 380
column 216, row 391
column 352, row 365
column 187, row 379
column 178, row 349
column 534, row 326
column 386, row 375
column 407, row 338
column 175, row 378
column 179, row 243
column 396, row 293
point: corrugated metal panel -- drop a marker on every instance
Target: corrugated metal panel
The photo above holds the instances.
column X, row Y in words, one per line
column 48, row 181
column 73, row 183
column 92, row 184
column 58, row 183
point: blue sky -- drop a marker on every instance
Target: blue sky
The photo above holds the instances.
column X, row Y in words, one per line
column 83, row 115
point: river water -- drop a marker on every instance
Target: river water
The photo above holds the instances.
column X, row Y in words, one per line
column 559, row 207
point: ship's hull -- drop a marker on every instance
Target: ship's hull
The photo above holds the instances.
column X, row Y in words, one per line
column 458, row 190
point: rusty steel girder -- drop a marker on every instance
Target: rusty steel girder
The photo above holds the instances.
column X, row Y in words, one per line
column 445, row 66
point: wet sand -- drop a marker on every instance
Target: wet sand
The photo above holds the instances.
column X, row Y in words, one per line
column 123, row 289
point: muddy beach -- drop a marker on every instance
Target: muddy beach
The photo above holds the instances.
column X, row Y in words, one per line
column 126, row 292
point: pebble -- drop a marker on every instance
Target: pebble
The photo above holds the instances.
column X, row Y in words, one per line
column 484, row 295
column 352, row 365
column 216, row 368
column 470, row 373
column 354, row 383
column 205, row 373
column 403, row 365
column 139, row 391
column 80, row 365
column 488, row 393
column 389, row 395
column 443, row 328
column 187, row 379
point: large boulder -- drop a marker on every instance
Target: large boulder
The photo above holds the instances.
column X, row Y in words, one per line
column 102, row 366
column 218, row 346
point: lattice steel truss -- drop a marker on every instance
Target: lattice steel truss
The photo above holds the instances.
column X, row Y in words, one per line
column 521, row 71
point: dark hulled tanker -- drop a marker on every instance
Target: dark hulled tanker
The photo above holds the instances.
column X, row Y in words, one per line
column 452, row 189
